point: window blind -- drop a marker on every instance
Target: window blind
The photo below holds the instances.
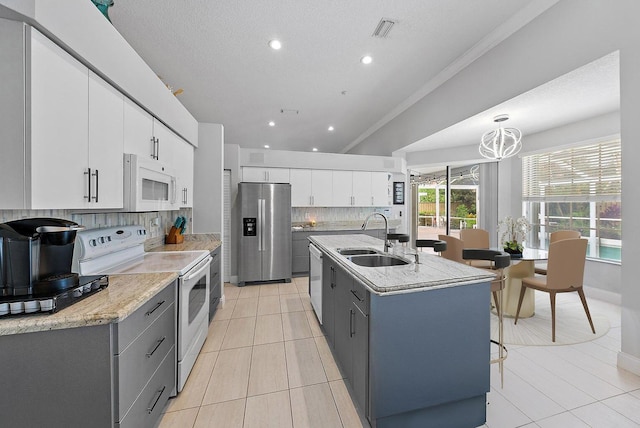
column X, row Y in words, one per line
column 589, row 173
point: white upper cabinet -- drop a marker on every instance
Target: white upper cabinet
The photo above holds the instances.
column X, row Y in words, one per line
column 322, row 186
column 342, row 188
column 106, row 143
column 360, row 189
column 183, row 165
column 380, row 189
column 265, row 175
column 76, row 133
column 300, row 187
column 138, row 131
column 59, row 128
column 311, row 187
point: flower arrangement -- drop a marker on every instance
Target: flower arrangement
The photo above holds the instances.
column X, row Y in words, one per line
column 513, row 233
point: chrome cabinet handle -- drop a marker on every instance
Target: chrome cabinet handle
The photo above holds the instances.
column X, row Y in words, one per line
column 174, row 190
column 155, row 400
column 157, row 148
column 155, row 348
column 372, row 200
column 351, row 331
column 153, row 147
column 356, row 296
column 95, row 198
column 88, row 174
column 154, row 308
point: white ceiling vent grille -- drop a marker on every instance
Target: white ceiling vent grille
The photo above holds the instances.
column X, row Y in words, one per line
column 383, row 27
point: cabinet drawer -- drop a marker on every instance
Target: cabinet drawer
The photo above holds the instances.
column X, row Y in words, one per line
column 215, row 261
column 360, row 296
column 147, row 409
column 140, row 360
column 132, row 326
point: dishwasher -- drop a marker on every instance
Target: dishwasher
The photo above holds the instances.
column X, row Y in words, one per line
column 315, row 280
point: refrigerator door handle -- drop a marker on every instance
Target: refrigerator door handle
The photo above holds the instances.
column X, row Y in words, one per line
column 260, row 225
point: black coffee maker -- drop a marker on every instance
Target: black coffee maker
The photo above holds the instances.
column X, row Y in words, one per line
column 36, row 255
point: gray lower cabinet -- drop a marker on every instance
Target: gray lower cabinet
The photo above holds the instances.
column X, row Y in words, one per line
column 112, row 375
column 215, row 290
column 411, row 360
column 328, row 301
column 347, row 315
column 145, row 361
column 300, row 246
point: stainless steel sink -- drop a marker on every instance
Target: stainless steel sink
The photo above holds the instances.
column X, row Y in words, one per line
column 378, row 260
column 356, row 251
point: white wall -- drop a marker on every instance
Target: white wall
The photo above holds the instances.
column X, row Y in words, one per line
column 208, row 208
column 570, row 34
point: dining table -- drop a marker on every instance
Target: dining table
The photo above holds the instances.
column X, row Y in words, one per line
column 522, row 266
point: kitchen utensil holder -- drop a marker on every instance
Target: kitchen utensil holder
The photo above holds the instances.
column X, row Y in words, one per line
column 174, row 236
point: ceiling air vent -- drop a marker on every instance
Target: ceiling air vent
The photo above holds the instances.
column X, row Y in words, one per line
column 383, row 27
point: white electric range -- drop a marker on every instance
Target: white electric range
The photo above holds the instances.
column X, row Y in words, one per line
column 120, row 250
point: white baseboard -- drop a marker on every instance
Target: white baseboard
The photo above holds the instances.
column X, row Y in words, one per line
column 629, row 363
column 603, row 295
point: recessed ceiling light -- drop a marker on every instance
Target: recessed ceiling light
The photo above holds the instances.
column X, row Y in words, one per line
column 275, row 44
column 266, row 146
column 272, row 123
column 330, row 128
column 315, row 149
column 366, row 59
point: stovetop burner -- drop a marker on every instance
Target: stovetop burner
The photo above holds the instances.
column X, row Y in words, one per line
column 55, row 293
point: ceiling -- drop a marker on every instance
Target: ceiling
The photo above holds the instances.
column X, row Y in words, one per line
column 218, row 53
column 589, row 91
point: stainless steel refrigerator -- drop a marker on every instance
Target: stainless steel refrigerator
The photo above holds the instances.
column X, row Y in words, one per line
column 265, row 232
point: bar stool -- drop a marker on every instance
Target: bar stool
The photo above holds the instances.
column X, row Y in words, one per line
column 400, row 237
column 500, row 261
column 437, row 245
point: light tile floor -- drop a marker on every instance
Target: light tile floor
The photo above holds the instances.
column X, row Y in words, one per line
column 266, row 363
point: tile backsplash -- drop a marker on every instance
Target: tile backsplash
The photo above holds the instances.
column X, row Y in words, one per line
column 319, row 214
column 157, row 223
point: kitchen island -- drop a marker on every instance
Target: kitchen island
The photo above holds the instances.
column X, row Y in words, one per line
column 413, row 339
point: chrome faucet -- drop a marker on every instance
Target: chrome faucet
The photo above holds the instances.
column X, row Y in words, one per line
column 387, row 244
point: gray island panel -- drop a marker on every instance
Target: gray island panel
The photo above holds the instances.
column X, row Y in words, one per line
column 424, row 359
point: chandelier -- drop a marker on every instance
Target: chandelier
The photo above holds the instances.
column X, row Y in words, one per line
column 502, row 142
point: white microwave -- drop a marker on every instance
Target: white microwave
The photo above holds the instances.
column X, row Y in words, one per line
column 149, row 185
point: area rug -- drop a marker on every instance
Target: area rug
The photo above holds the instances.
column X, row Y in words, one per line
column 572, row 325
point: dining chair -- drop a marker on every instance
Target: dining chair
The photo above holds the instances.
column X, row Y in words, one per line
column 476, row 238
column 558, row 235
column 565, row 273
column 437, row 244
column 499, row 261
column 454, row 248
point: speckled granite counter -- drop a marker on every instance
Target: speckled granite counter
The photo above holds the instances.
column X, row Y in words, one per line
column 193, row 242
column 432, row 272
column 121, row 298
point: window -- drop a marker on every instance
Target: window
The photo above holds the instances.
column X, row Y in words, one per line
column 577, row 189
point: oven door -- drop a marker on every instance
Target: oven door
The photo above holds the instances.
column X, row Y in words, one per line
column 193, row 317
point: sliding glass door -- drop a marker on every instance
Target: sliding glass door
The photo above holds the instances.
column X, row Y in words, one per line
column 445, row 201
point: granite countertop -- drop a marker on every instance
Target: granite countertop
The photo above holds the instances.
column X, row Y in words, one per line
column 121, row 298
column 193, row 242
column 433, row 272
column 343, row 225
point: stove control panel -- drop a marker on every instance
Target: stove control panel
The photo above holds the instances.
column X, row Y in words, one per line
column 92, row 243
